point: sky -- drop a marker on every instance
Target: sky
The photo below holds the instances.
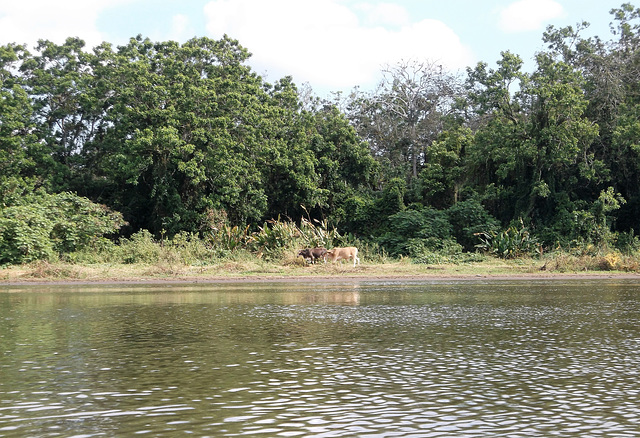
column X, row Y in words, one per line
column 331, row 45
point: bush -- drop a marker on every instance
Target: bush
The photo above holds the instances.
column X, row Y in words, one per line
column 41, row 226
column 228, row 238
column 468, row 219
column 582, row 222
column 140, row 248
column 412, row 230
column 273, row 238
column 189, row 249
column 312, row 235
column 25, row 234
column 419, row 247
column 510, row 243
column 628, row 243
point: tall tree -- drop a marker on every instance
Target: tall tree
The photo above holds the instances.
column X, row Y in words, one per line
column 611, row 69
column 59, row 79
column 17, row 140
column 533, row 150
column 445, row 173
column 405, row 114
column 184, row 134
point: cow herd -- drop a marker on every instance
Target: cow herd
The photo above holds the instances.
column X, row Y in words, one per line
column 311, row 255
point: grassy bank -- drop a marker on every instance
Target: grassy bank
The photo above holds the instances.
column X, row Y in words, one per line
column 247, row 266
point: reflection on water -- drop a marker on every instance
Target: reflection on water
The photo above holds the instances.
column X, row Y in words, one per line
column 510, row 358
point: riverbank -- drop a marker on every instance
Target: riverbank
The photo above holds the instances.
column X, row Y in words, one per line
column 261, row 271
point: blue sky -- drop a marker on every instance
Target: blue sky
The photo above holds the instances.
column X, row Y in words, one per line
column 331, row 44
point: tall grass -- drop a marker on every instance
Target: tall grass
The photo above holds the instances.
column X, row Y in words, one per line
column 275, row 244
column 273, row 240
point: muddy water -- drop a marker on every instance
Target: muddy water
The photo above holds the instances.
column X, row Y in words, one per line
column 407, row 359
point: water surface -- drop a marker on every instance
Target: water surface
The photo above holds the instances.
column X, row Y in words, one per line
column 408, row 359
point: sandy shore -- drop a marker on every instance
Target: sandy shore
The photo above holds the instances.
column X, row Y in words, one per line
column 254, row 271
column 327, row 279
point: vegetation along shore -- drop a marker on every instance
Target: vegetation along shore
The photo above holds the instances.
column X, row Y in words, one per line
column 150, row 261
column 160, row 160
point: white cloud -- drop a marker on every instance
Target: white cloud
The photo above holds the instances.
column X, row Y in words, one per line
column 181, row 28
column 328, row 44
column 528, row 15
column 382, row 14
column 27, row 21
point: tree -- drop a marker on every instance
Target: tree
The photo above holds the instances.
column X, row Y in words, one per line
column 290, row 166
column 444, row 172
column 611, row 69
column 168, row 133
column 406, row 113
column 185, row 134
column 61, row 83
column 345, row 166
column 535, row 143
column 38, row 225
column 17, row 140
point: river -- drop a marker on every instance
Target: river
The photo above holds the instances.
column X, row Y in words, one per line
column 515, row 358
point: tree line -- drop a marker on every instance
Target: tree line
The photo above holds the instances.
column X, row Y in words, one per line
column 185, row 138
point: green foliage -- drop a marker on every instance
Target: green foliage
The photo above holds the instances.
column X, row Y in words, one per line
column 392, row 199
column 228, row 238
column 535, row 138
column 411, row 232
column 580, row 223
column 25, row 234
column 418, row 248
column 628, row 243
column 467, row 219
column 141, row 247
column 41, row 226
column 271, row 242
column 276, row 237
column 315, row 233
column 79, row 221
column 443, row 174
column 17, row 142
column 167, row 133
column 357, row 213
column 185, row 138
column 510, row 243
column 222, row 237
column 273, row 238
column 448, row 257
column 592, row 225
column 189, row 249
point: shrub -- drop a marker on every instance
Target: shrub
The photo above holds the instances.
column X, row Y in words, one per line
column 189, row 248
column 273, row 238
column 419, row 247
column 140, row 248
column 41, row 226
column 628, row 243
column 510, row 243
column 409, row 230
column 581, row 222
column 468, row 219
column 25, row 234
column 312, row 235
column 228, row 238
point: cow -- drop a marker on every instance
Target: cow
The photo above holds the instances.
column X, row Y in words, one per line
column 313, row 254
column 344, row 253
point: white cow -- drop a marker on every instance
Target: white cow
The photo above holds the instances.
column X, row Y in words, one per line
column 344, row 253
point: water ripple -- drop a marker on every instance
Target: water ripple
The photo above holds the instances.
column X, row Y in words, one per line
column 390, row 363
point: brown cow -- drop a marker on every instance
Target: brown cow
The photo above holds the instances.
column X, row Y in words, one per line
column 313, row 254
column 344, row 253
